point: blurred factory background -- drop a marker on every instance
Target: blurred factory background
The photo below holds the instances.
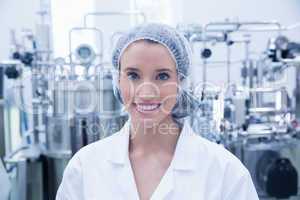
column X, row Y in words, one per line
column 56, row 92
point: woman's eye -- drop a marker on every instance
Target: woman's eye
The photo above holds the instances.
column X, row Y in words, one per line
column 132, row 75
column 163, row 76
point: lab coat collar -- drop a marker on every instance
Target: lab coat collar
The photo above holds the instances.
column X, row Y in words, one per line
column 119, row 147
column 186, row 153
column 185, row 156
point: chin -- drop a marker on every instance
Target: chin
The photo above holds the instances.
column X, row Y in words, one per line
column 150, row 121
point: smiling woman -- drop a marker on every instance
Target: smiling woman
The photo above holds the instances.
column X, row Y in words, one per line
column 156, row 155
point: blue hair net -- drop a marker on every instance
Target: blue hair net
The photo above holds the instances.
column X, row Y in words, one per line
column 179, row 50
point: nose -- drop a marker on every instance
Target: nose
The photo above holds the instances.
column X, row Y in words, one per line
column 147, row 90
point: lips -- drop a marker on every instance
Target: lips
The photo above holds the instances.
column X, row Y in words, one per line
column 146, row 107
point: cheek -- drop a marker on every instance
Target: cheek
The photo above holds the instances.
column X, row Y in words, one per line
column 126, row 91
column 168, row 96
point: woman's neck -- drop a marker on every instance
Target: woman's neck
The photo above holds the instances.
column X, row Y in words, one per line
column 147, row 138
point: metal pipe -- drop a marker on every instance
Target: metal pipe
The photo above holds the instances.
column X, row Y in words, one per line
column 204, row 75
column 216, row 39
column 264, row 89
column 293, row 26
column 297, row 92
column 237, row 26
column 224, row 62
column 228, row 64
column 2, row 134
column 263, row 29
column 194, row 38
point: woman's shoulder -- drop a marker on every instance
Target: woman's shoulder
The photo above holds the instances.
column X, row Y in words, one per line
column 86, row 164
column 102, row 143
column 97, row 152
column 218, row 156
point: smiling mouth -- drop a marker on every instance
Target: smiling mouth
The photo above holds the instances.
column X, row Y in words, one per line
column 147, row 107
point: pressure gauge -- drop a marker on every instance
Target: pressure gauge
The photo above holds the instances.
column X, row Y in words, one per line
column 85, row 54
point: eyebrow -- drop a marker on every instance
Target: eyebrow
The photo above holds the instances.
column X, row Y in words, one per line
column 131, row 69
column 164, row 69
column 136, row 69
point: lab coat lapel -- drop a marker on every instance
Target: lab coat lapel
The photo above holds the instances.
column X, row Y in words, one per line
column 126, row 183
column 165, row 187
column 182, row 167
column 185, row 163
column 122, row 171
column 186, row 152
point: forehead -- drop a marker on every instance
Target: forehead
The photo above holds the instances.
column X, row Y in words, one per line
column 144, row 53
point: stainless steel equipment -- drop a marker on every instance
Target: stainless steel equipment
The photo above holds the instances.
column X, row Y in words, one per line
column 81, row 110
column 5, row 183
column 207, row 119
column 72, row 104
column 2, row 136
column 269, row 152
column 258, row 122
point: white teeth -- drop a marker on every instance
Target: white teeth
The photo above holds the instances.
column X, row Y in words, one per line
column 142, row 108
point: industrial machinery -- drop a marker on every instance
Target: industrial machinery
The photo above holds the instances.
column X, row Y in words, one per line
column 62, row 104
column 258, row 120
column 54, row 106
column 5, row 184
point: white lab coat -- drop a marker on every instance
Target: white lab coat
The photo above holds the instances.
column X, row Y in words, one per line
column 199, row 170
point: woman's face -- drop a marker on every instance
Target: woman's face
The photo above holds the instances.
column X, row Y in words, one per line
column 148, row 82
